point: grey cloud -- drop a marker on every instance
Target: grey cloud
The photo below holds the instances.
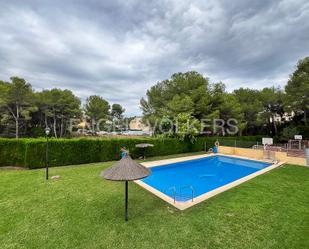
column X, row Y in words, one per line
column 118, row 49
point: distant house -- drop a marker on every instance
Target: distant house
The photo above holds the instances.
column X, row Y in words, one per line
column 286, row 117
column 83, row 124
column 137, row 125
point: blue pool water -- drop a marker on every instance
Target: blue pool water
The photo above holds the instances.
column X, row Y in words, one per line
column 200, row 175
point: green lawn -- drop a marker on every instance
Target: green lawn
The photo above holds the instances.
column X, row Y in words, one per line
column 83, row 211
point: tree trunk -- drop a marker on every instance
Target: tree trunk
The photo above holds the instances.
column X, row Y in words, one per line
column 274, row 124
column 41, row 119
column 45, row 119
column 55, row 126
column 275, row 128
column 17, row 122
column 61, row 127
column 93, row 125
column 16, row 128
column 305, row 117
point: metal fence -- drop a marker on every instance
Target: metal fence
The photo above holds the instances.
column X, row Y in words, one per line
column 294, row 149
column 240, row 143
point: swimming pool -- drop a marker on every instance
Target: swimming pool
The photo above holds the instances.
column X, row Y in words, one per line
column 187, row 181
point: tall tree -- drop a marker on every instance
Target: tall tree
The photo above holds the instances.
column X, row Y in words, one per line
column 184, row 92
column 228, row 110
column 117, row 111
column 273, row 106
column 4, row 86
column 190, row 94
column 96, row 108
column 251, row 106
column 180, row 104
column 59, row 106
column 17, row 100
column 187, row 127
column 297, row 89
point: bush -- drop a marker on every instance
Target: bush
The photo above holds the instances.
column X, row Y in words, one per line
column 37, row 132
column 12, row 152
column 30, row 153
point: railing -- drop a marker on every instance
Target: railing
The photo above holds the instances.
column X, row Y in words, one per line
column 294, row 148
column 191, row 190
column 298, row 144
column 297, row 153
column 180, row 195
column 173, row 190
column 237, row 143
column 270, row 155
column 290, row 150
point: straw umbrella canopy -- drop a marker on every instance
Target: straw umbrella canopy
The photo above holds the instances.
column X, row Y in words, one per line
column 143, row 146
column 126, row 170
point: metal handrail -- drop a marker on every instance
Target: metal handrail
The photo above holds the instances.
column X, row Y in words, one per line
column 192, row 191
column 174, row 192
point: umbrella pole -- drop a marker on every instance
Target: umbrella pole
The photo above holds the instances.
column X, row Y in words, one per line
column 126, row 201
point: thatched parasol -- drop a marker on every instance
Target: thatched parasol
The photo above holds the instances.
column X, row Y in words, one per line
column 126, row 170
column 143, row 146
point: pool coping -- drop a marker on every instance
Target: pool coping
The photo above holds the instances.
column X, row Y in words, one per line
column 203, row 197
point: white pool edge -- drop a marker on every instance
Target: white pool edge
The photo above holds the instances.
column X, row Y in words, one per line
column 203, row 197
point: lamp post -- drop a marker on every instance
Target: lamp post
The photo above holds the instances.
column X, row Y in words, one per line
column 47, row 131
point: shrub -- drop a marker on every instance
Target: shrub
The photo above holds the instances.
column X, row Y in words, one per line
column 37, row 132
column 12, row 152
column 30, row 153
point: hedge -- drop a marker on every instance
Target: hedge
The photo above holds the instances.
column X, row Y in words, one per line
column 30, row 153
column 12, row 152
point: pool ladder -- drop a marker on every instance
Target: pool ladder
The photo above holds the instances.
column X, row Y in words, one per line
column 175, row 195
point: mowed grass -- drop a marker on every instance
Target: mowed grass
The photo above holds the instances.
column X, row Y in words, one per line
column 81, row 210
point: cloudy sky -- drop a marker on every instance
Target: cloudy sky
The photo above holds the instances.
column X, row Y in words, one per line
column 118, row 49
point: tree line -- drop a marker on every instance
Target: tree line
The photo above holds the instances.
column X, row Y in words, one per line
column 274, row 111
column 185, row 96
column 25, row 112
